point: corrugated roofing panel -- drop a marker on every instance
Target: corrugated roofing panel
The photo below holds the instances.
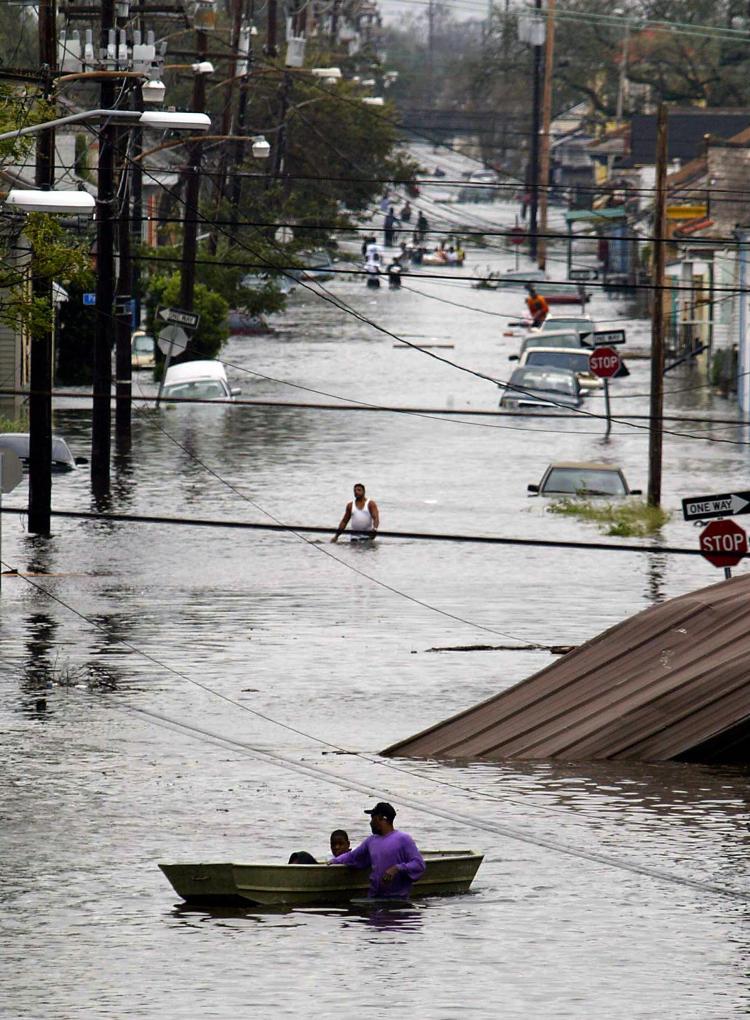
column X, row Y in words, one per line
column 654, row 687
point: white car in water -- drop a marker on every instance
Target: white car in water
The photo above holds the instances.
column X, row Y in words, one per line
column 198, row 380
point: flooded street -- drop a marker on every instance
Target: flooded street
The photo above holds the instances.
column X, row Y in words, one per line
column 317, row 648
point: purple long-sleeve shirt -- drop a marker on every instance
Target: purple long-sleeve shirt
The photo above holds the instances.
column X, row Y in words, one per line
column 381, row 853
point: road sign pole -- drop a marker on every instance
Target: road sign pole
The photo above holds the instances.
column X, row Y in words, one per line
column 164, row 375
column 727, row 573
column 607, row 409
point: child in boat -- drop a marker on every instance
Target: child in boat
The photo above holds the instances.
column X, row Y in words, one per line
column 339, row 843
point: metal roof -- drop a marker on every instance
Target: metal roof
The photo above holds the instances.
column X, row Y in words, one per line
column 670, row 683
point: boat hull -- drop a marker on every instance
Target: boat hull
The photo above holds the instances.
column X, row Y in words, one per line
column 215, row 884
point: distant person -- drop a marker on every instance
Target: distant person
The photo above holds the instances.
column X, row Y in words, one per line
column 363, row 514
column 372, row 270
column 537, row 305
column 384, row 203
column 405, row 214
column 422, row 226
column 389, row 226
column 391, row 855
column 371, row 250
column 394, row 274
column 339, row 843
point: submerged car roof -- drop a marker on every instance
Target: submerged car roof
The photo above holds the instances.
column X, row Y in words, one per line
column 590, row 465
column 189, row 371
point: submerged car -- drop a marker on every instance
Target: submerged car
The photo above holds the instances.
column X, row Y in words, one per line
column 198, row 380
column 560, row 357
column 142, row 354
column 584, row 325
column 583, row 478
column 536, row 387
column 537, row 338
column 62, row 458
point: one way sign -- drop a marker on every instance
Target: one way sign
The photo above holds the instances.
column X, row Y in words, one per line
column 726, row 504
column 178, row 317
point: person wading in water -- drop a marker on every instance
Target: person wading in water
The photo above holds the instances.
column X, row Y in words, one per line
column 363, row 514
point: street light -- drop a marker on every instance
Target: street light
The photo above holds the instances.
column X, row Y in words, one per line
column 165, row 119
column 260, row 147
column 75, row 203
column 154, row 91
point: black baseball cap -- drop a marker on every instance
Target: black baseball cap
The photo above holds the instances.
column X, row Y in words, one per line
column 383, row 810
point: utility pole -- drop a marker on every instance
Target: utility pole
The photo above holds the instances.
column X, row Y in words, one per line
column 271, row 31
column 534, row 167
column 239, row 145
column 656, row 410
column 192, row 189
column 105, row 220
column 40, row 400
column 544, row 162
column 124, row 318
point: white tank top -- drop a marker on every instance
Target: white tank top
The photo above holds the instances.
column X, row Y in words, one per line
column 361, row 519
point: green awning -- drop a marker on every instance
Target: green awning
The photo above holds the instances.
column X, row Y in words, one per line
column 595, row 215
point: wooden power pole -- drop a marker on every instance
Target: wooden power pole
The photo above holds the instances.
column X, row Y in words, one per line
column 657, row 319
column 40, row 400
column 544, row 155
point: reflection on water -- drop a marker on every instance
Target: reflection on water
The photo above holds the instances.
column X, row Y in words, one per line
column 93, row 798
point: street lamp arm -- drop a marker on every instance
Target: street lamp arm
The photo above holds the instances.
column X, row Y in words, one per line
column 202, row 138
column 92, row 75
column 73, row 118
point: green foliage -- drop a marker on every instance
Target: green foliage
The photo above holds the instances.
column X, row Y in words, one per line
column 207, row 340
column 54, row 258
column 630, row 519
column 82, row 168
column 20, row 424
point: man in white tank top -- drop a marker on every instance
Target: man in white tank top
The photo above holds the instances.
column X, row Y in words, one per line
column 363, row 514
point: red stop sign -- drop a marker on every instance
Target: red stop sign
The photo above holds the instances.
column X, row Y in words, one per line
column 604, row 362
column 517, row 235
column 723, row 543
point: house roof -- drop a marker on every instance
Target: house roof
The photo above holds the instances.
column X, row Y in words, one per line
column 669, row 683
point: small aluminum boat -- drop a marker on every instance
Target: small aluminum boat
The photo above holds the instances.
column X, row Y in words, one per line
column 448, row 872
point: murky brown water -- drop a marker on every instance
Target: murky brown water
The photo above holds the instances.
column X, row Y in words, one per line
column 91, row 798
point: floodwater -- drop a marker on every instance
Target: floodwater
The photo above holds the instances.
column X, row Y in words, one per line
column 313, row 653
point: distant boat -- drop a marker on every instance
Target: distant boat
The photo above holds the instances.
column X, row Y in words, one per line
column 448, row 873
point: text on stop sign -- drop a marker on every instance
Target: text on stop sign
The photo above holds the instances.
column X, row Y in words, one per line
column 723, row 543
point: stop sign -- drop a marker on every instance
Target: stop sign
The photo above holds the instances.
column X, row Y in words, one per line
column 604, row 362
column 517, row 235
column 723, row 543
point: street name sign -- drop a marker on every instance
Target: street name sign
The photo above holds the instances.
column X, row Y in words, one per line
column 609, row 337
column 179, row 317
column 726, row 504
column 723, row 543
column 604, row 362
column 583, row 274
column 89, row 298
column 172, row 341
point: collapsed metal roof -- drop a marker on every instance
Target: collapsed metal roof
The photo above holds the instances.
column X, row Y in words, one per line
column 672, row 682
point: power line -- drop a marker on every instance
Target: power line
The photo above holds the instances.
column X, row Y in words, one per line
column 409, row 536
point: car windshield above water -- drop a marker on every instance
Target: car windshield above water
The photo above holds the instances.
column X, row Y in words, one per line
column 143, row 344
column 576, row 361
column 199, row 389
column 553, row 339
column 580, row 323
column 594, row 481
column 545, row 379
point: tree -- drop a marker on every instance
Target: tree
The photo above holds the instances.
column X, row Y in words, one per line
column 208, row 338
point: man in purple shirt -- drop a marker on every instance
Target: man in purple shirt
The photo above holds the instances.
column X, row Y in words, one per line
column 392, row 855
